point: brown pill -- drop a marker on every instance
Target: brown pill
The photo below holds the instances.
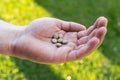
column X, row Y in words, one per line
column 58, row 44
column 54, row 41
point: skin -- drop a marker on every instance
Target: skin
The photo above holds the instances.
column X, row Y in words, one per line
column 33, row 42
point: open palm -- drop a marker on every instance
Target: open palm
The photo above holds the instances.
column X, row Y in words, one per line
column 34, row 42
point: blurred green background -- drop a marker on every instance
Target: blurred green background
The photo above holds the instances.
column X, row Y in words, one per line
column 103, row 64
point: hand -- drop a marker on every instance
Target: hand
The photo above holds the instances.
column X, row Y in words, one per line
column 34, row 42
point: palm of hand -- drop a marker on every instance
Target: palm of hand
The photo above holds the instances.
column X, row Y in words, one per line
column 35, row 44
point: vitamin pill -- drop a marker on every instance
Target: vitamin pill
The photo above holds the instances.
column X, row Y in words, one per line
column 54, row 40
column 60, row 40
column 56, row 36
column 60, row 35
column 58, row 44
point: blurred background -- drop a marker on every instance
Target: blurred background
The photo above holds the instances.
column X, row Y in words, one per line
column 103, row 64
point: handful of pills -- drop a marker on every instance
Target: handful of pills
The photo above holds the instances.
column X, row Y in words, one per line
column 58, row 40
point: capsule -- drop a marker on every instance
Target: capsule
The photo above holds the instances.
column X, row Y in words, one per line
column 56, row 36
column 54, row 41
column 60, row 40
column 58, row 44
column 60, row 35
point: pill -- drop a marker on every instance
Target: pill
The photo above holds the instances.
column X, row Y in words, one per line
column 60, row 35
column 58, row 44
column 60, row 40
column 54, row 40
column 56, row 36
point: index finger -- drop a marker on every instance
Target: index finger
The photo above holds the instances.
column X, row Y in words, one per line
column 71, row 26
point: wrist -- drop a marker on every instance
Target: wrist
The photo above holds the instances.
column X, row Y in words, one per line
column 8, row 34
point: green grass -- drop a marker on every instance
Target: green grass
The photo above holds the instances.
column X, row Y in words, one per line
column 103, row 64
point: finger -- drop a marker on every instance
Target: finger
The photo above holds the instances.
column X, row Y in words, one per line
column 101, row 34
column 84, row 50
column 81, row 34
column 71, row 26
column 100, row 22
column 83, row 40
column 93, row 33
